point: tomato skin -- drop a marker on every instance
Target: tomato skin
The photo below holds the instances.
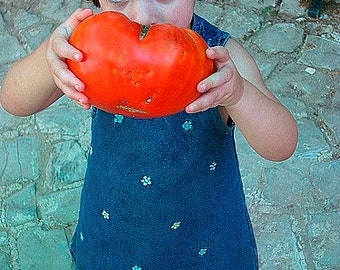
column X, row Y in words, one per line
column 148, row 77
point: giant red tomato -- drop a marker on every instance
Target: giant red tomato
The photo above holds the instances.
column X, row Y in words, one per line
column 138, row 71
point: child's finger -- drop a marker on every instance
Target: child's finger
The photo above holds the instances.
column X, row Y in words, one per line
column 71, row 93
column 219, row 54
column 205, row 101
column 59, row 40
column 78, row 16
column 218, row 78
column 65, row 77
column 63, row 49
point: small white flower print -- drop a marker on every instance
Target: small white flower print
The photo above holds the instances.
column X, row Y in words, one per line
column 118, row 119
column 91, row 150
column 187, row 125
column 203, row 251
column 136, row 268
column 146, row 181
column 213, row 166
column 81, row 236
column 176, row 225
column 105, row 214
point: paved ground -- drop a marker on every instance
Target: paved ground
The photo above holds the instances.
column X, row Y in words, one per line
column 294, row 205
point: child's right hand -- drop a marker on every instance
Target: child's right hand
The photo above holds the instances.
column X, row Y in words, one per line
column 59, row 49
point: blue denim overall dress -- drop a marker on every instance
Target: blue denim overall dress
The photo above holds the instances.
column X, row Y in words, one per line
column 165, row 193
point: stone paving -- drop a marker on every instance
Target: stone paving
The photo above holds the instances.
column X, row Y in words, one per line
column 294, row 204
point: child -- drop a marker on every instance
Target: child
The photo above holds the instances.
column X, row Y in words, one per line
column 163, row 193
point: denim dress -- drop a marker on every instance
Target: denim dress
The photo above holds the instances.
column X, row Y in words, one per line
column 164, row 193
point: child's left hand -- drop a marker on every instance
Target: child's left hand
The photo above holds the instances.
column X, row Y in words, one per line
column 222, row 88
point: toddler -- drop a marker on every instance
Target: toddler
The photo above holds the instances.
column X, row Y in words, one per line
column 162, row 193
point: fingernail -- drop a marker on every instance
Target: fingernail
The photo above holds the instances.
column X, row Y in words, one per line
column 77, row 56
column 191, row 108
column 77, row 87
column 202, row 87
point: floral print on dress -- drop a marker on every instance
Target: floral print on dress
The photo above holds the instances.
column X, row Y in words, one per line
column 81, row 236
column 105, row 215
column 136, row 268
column 146, row 181
column 188, row 125
column 176, row 225
column 213, row 166
column 118, row 119
column 203, row 251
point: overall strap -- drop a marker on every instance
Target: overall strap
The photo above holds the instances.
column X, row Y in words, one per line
column 210, row 33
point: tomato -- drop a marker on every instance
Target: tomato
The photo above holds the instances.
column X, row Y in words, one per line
column 138, row 71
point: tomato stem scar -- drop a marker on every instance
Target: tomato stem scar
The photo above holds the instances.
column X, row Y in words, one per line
column 145, row 31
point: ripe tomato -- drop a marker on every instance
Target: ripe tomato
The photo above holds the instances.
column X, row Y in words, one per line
column 138, row 71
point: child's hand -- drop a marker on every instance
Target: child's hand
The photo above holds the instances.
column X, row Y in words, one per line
column 222, row 88
column 59, row 49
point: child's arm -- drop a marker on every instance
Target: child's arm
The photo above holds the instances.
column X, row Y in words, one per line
column 238, row 87
column 34, row 82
